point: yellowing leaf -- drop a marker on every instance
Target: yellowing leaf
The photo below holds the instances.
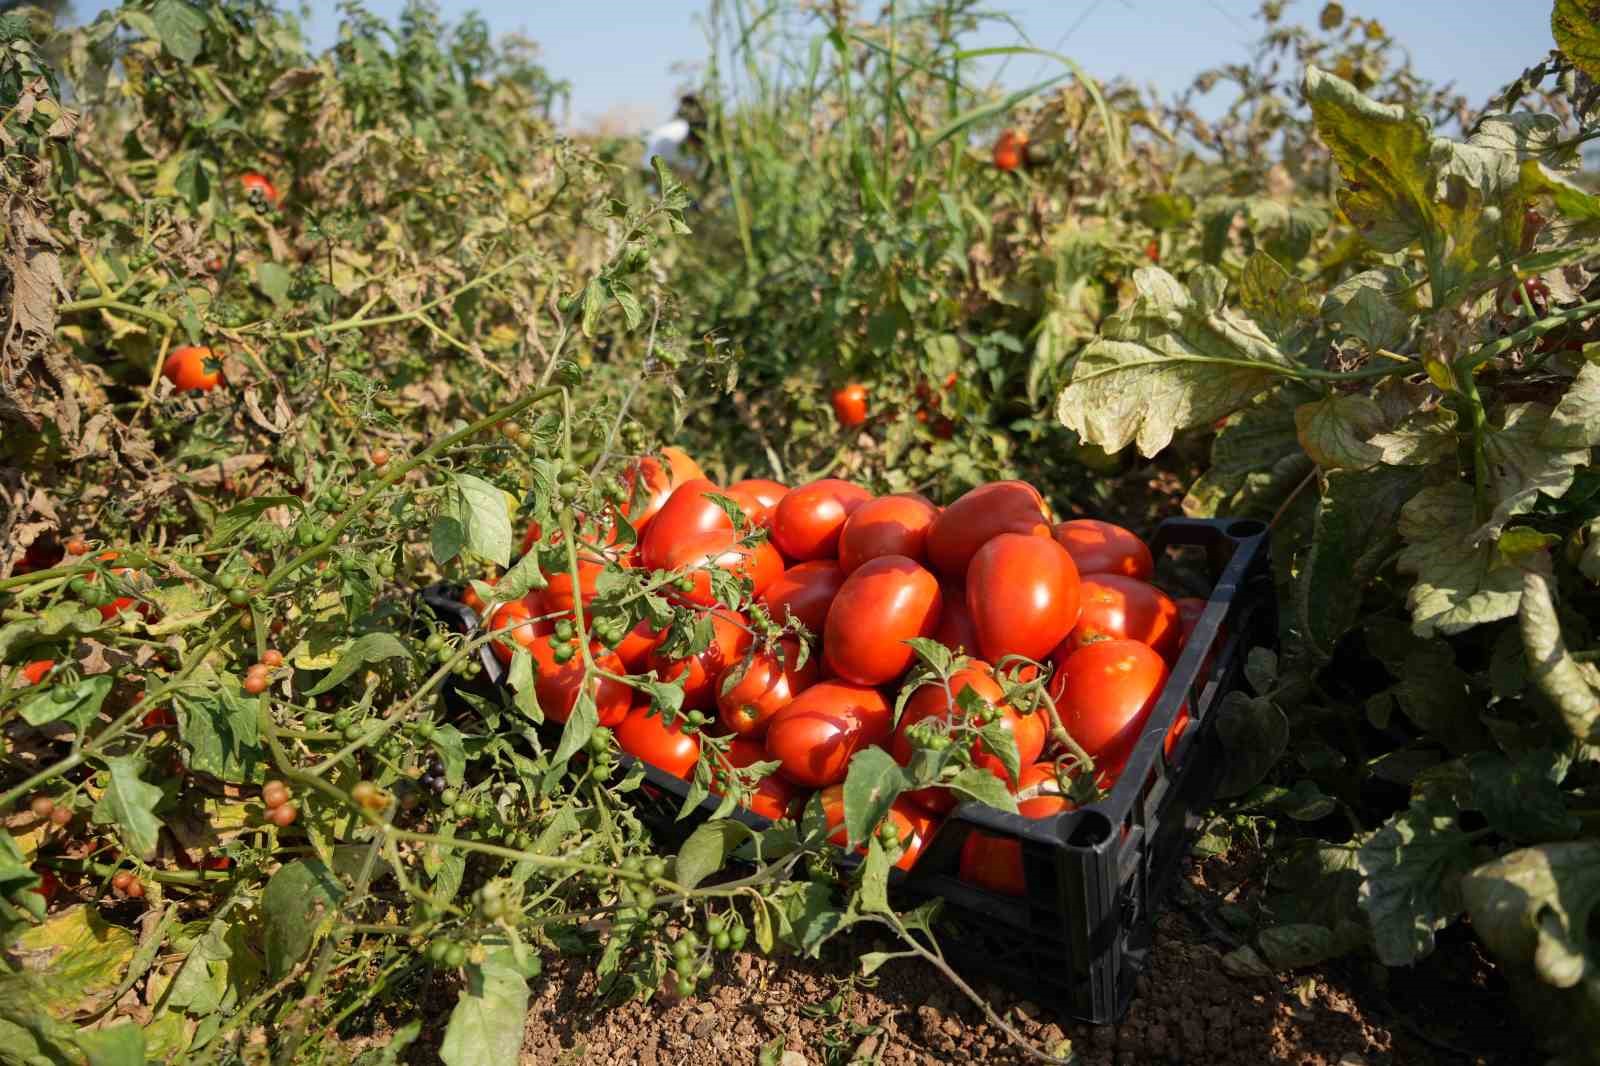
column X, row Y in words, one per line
column 78, row 955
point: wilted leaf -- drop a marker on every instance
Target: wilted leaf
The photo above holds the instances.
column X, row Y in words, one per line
column 1522, row 466
column 1273, row 297
column 1522, row 798
column 1535, row 909
column 1301, row 944
column 1550, row 666
column 1577, row 35
column 1172, row 360
column 1364, row 307
column 77, row 955
column 1575, row 422
column 1459, row 584
column 1336, row 431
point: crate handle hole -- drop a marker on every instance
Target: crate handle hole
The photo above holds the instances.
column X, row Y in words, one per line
column 1245, row 528
column 1092, row 828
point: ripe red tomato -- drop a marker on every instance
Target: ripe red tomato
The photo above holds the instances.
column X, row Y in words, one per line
column 729, row 640
column 648, row 737
column 995, row 863
column 1102, row 548
column 956, row 630
column 806, row 591
column 768, row 684
column 158, row 718
column 37, row 671
column 774, row 797
column 978, row 517
column 637, row 644
column 816, row 735
column 1022, row 592
column 1009, row 148
column 257, row 186
column 889, row 525
column 887, row 601
column 558, row 684
column 688, row 512
column 757, row 497
column 193, row 368
column 807, row 522
column 108, row 611
column 649, row 484
column 931, row 701
column 1152, row 252
column 696, row 556
column 558, row 598
column 518, row 616
column 1123, row 608
column 914, row 825
column 850, row 405
column 1104, row 693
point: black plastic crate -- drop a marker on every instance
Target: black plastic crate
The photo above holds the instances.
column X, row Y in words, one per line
column 1082, row 932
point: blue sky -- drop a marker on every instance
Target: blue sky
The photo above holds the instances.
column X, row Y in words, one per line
column 619, row 55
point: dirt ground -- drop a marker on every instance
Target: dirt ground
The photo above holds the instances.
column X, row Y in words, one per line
column 1450, row 1012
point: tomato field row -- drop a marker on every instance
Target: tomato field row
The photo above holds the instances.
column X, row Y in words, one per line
column 820, row 475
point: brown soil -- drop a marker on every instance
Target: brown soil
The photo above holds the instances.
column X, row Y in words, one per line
column 1188, row 1010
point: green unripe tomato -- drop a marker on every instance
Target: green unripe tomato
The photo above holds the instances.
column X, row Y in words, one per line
column 494, row 908
column 238, row 597
column 682, row 949
column 715, row 925
column 562, row 653
column 685, row 987
column 738, row 935
column 644, row 897
column 450, row 797
column 227, row 582
column 564, row 630
column 685, row 966
column 456, row 956
column 463, row 808
column 723, row 941
column 655, row 867
column 342, row 720
column 355, row 731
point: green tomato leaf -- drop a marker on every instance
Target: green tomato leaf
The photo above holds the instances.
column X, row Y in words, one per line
column 300, row 900
column 1364, row 307
column 62, row 619
column 486, row 1026
column 1411, row 880
column 130, row 804
column 119, row 1045
column 1254, row 735
column 484, row 517
column 447, row 742
column 979, row 784
column 236, row 520
column 873, row 783
column 873, row 895
column 707, row 849
column 180, row 27
column 369, row 648
column 273, row 281
column 78, row 702
column 580, row 726
column 1353, row 539
column 446, row 537
column 218, row 725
